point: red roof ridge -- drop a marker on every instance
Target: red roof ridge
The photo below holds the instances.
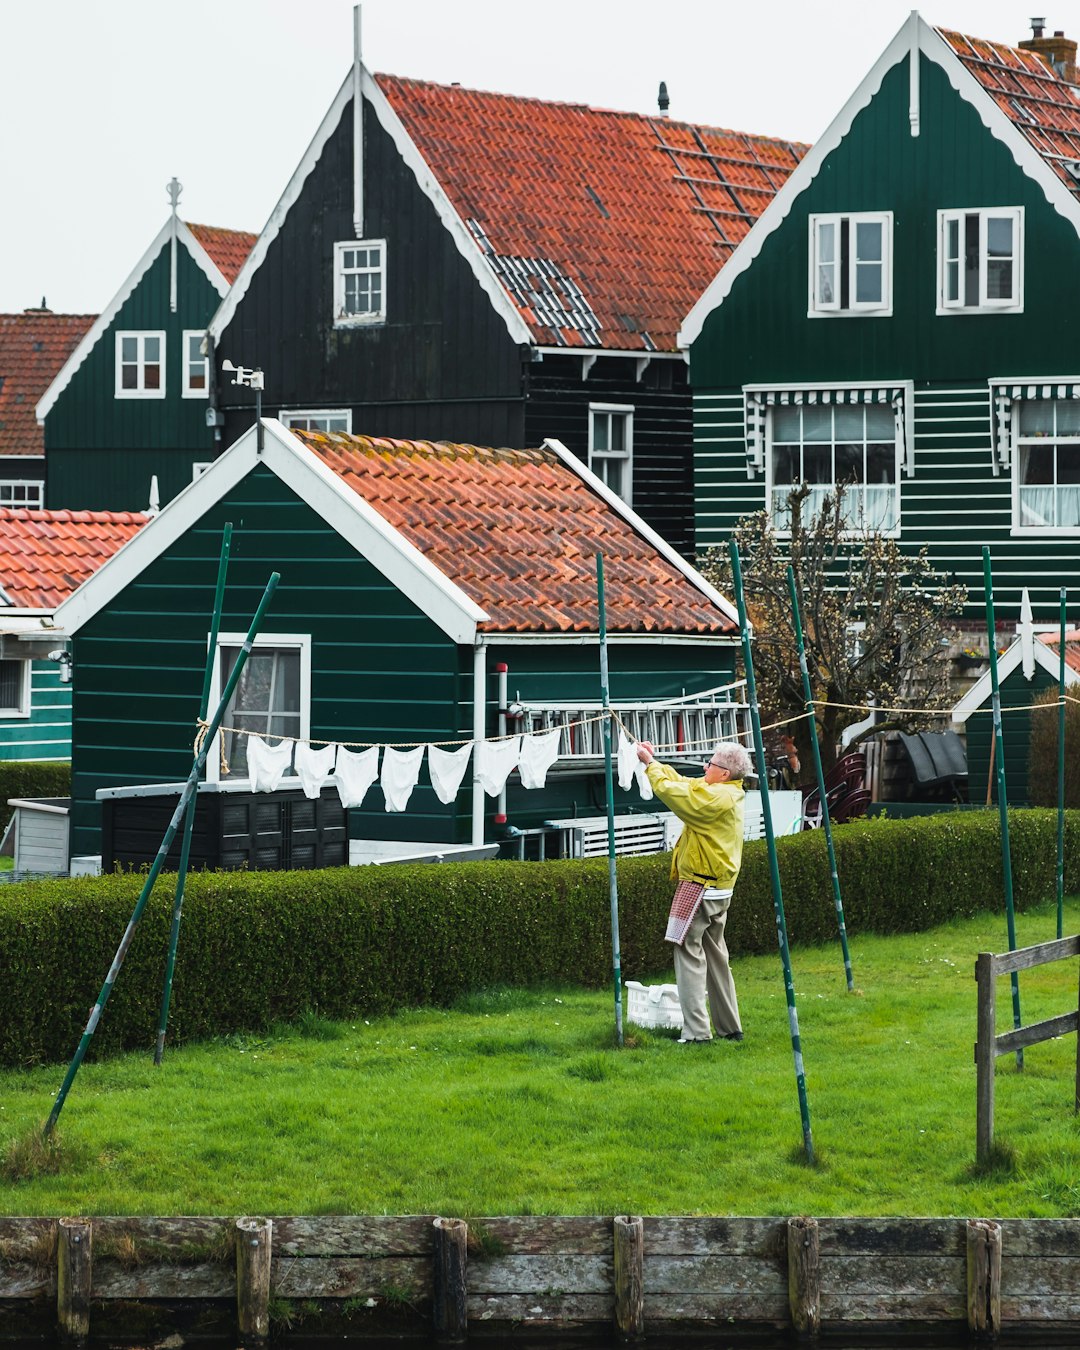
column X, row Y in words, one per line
column 65, row 515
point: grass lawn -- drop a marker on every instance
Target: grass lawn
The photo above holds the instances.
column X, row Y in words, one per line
column 517, row 1102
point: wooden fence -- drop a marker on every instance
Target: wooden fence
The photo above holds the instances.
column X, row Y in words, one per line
column 651, row 1275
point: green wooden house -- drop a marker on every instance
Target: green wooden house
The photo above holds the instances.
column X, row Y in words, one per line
column 133, row 401
column 428, row 591
column 902, row 317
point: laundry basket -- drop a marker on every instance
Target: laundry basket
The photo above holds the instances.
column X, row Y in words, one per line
column 653, row 1005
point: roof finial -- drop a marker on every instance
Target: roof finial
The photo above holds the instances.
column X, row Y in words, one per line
column 662, row 100
column 174, row 188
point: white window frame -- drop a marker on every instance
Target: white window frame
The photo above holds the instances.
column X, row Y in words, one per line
column 818, row 308
column 1033, row 531
column 624, row 456
column 186, row 389
column 22, row 710
column 141, row 335
column 6, row 486
column 291, row 416
column 986, row 305
column 341, row 319
column 302, row 643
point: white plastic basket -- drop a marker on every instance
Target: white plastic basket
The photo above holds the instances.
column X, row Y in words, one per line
column 653, row 1005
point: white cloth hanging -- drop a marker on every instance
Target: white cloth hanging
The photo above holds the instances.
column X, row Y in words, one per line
column 495, row 761
column 538, row 753
column 267, row 764
column 354, row 773
column 627, row 760
column 644, row 786
column 313, row 767
column 446, row 769
column 400, row 774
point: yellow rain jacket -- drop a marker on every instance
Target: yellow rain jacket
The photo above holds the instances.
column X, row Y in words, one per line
column 709, row 849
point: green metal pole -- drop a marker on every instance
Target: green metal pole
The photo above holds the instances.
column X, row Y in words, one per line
column 770, row 844
column 1003, row 804
column 613, row 884
column 808, row 695
column 159, row 861
column 1061, row 770
column 189, row 817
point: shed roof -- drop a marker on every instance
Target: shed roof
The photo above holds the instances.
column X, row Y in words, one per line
column 33, row 347
column 1072, row 647
column 45, row 555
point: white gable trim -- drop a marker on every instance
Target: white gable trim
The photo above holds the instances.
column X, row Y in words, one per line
column 935, row 49
column 343, row 510
column 646, row 531
column 104, row 321
column 406, row 147
column 1008, row 661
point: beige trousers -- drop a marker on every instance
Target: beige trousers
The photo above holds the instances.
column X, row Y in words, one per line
column 703, row 974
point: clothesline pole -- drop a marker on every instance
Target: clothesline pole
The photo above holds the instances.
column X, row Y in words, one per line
column 159, row 861
column 826, row 824
column 1003, row 803
column 1061, row 770
column 613, row 885
column 770, row 844
column 189, row 816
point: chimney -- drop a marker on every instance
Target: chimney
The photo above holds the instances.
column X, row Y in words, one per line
column 662, row 100
column 1058, row 52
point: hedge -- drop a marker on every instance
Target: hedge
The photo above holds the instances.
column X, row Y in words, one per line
column 261, row 946
column 31, row 778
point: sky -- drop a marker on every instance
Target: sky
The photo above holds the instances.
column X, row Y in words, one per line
column 103, row 101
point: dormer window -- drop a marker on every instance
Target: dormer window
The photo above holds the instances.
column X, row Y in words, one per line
column 851, row 264
column 359, row 282
column 981, row 261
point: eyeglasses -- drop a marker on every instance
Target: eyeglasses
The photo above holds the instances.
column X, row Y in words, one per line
column 710, row 764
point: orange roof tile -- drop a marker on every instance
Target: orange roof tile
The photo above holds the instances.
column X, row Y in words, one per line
column 518, row 532
column 45, row 555
column 1042, row 106
column 33, row 347
column 603, row 227
column 228, row 249
column 1072, row 647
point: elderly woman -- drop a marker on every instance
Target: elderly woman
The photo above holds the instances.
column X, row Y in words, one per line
column 705, row 864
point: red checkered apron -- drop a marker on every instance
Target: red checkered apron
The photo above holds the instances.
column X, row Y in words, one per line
column 684, row 905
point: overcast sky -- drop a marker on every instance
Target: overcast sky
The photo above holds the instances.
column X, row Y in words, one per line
column 103, row 101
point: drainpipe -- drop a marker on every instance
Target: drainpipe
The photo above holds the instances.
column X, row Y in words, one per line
column 479, row 715
column 502, row 669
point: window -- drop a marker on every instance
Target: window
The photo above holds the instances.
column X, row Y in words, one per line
column 611, row 445
column 140, row 365
column 851, row 264
column 1046, row 491
column 340, row 419
column 14, row 688
column 21, row 492
column 273, row 695
column 981, row 260
column 196, row 383
column 823, row 444
column 360, row 282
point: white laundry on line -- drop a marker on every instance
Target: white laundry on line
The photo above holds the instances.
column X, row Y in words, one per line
column 446, row 769
column 313, row 767
column 495, row 761
column 538, row 753
column 400, row 774
column 355, row 773
column 267, row 764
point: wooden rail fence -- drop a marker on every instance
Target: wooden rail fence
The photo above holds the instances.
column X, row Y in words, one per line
column 637, row 1275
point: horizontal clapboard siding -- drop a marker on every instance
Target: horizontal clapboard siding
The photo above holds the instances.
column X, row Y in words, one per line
column 46, row 733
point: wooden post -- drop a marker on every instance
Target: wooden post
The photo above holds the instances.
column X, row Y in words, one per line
column 984, row 1277
column 629, row 1278
column 450, row 1313
column 1076, row 1095
column 985, row 1057
column 254, row 1242
column 74, row 1274
column 804, row 1275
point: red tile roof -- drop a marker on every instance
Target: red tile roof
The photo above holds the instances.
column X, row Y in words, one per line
column 1072, row 647
column 33, row 347
column 518, row 532
column 45, row 555
column 603, row 227
column 228, row 249
column 1042, row 106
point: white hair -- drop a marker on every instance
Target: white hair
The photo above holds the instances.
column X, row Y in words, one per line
column 733, row 757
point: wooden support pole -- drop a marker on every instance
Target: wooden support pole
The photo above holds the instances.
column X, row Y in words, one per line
column 985, row 1057
column 629, row 1275
column 804, row 1275
column 74, row 1276
column 984, row 1277
column 1076, row 1096
column 254, row 1243
column 450, row 1313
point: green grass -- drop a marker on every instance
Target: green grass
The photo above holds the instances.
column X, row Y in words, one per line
column 516, row 1102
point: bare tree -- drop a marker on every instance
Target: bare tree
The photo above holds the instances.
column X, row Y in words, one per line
column 874, row 619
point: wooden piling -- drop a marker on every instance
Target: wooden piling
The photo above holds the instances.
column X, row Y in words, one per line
column 450, row 1311
column 804, row 1275
column 983, row 1277
column 74, row 1276
column 629, row 1275
column 985, row 1056
column 254, row 1243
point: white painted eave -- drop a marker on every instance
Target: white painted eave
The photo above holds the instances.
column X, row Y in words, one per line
column 982, row 690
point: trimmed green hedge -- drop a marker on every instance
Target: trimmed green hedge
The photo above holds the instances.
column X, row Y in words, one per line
column 259, row 946
column 31, row 778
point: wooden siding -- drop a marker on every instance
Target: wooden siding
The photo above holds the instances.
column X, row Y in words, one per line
column 954, row 503
column 1016, row 692
column 46, row 733
column 441, row 367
